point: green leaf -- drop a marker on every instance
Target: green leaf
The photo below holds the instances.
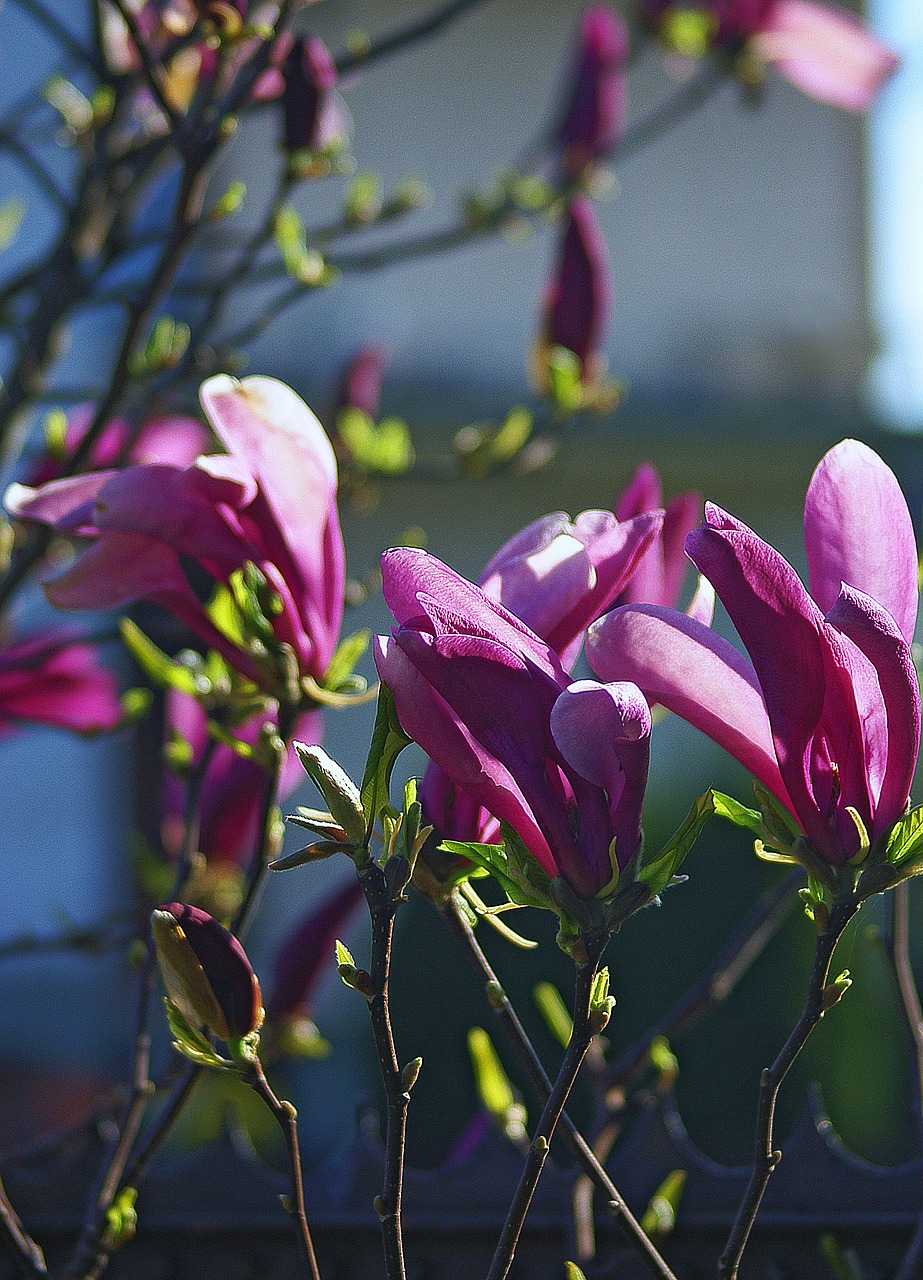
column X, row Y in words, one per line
column 739, row 814
column 493, row 1085
column 344, row 660
column 844, row 1263
column 229, row 203
column 494, row 859
column 573, row 1272
column 56, row 433
column 388, row 741
column 162, row 669
column 660, row 1216
column 74, row 107
column 658, row 871
column 906, row 839
column 12, row 213
column 363, row 198
column 190, row 1042
column 122, row 1217
column 343, row 954
column 565, row 378
column 165, row 347
column 555, row 1012
column 599, row 995
column 386, row 447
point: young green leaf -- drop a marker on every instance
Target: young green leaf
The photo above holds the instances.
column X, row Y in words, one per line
column 660, row 1216
column 555, row 1012
column 657, row 872
column 388, row 741
column 344, row 660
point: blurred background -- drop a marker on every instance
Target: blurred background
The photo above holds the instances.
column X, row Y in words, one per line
column 767, row 269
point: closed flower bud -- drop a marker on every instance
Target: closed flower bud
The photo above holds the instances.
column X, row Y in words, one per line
column 206, row 971
column 360, row 386
column 311, row 119
column 594, row 113
column 337, row 788
column 577, row 300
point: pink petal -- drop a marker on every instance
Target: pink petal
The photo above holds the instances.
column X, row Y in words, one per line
column 825, row 52
column 66, row 504
column 685, row 666
column 176, row 439
column 858, row 531
column 58, row 680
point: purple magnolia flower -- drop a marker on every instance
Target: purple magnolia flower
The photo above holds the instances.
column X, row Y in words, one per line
column 272, row 502
column 822, row 50
column 564, row 763
column 597, row 100
column 306, row 954
column 556, row 575
column 826, row 714
column 578, row 296
column 360, row 385
column 234, row 785
column 658, row 577
column 312, row 117
column 53, row 677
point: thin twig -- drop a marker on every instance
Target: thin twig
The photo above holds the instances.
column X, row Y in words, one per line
column 153, row 74
column 61, row 34
column 27, row 1254
column 382, row 909
column 460, row 928
column 766, row 1157
column 92, row 939
column 287, row 1118
column 405, row 37
column 581, row 1035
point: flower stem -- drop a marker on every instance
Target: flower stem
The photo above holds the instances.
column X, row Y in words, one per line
column 574, row 1054
column 287, row 1118
column 382, row 909
column 27, row 1254
column 463, row 933
column 765, row 1156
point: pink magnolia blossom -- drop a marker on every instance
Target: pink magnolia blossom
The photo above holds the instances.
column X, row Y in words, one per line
column 271, row 502
column 54, row 677
column 826, row 711
column 172, row 438
column 593, row 116
column 563, row 762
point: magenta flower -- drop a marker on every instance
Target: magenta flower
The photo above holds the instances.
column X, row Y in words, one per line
column 593, row 117
column 312, row 118
column 55, row 678
column 234, row 785
column 175, row 438
column 822, row 50
column 307, row 953
column 577, row 300
column 565, row 764
column 272, row 502
column 826, row 715
column 658, row 577
column 556, row 576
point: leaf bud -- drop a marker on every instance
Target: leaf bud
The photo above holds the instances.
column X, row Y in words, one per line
column 337, row 788
column 410, row 1073
column 206, row 971
column 835, row 990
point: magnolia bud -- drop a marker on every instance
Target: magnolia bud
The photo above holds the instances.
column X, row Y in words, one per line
column 309, row 115
column 337, row 788
column 206, row 971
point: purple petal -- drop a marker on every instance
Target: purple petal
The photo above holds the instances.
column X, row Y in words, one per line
column 66, row 504
column 643, row 493
column 682, row 664
column 414, row 581
column 172, row 438
column 603, row 732
column 54, row 678
column 426, row 718
column 872, row 629
column 858, row 531
column 594, row 116
column 577, row 302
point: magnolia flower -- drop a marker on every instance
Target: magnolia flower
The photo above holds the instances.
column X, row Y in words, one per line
column 556, row 575
column 564, row 763
column 826, row 714
column 307, row 952
column 577, row 299
column 173, row 438
column 311, row 115
column 55, row 678
column 597, row 99
column 272, row 503
column 206, row 971
column 822, row 50
column 234, row 785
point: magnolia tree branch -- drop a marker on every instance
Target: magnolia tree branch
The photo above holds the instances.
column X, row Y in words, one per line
column 766, row 1157
column 461, row 929
column 26, row 1253
column 383, row 903
column 581, row 1036
column 404, row 37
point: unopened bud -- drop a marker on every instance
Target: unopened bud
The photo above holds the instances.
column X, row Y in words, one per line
column 358, row 979
column 206, row 971
column 835, row 990
column 410, row 1073
column 599, row 1018
column 337, row 788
